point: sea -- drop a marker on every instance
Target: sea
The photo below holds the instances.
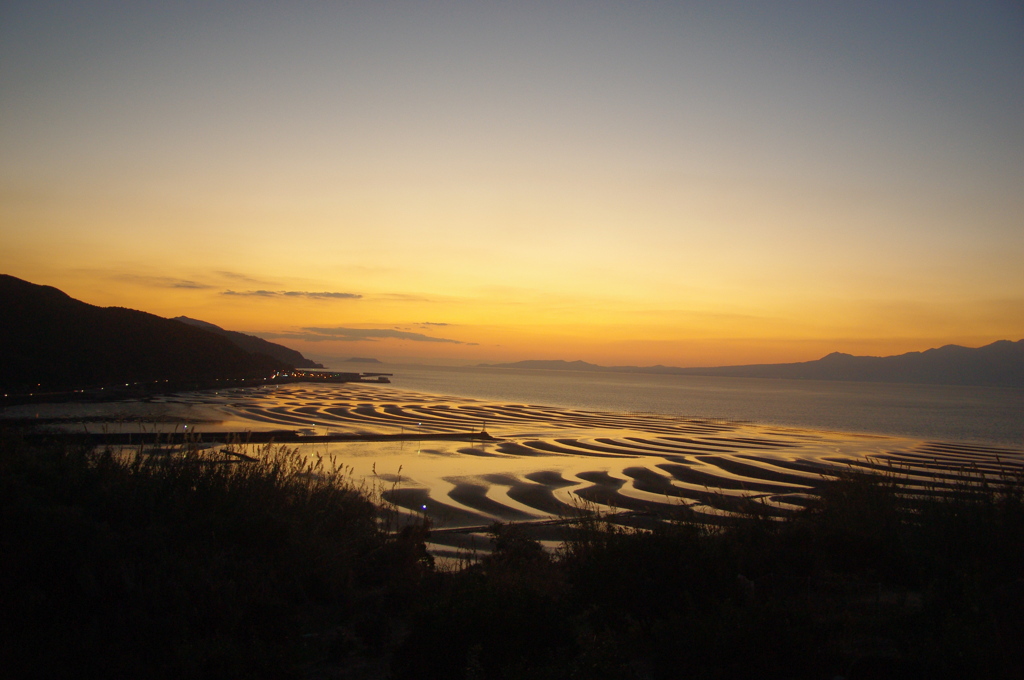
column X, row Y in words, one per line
column 981, row 415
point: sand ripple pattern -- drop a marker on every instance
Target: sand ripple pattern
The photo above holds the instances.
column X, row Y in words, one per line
column 550, row 461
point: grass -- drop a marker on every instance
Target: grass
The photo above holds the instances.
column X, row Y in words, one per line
column 189, row 565
column 868, row 581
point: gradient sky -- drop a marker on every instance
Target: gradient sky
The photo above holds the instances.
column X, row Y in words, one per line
column 625, row 183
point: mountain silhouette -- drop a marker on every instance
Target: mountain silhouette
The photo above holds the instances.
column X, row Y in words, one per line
column 254, row 345
column 49, row 340
column 1000, row 364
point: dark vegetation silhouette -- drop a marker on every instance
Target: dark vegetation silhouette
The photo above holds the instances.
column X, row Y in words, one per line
column 866, row 582
column 195, row 563
column 188, row 563
column 51, row 341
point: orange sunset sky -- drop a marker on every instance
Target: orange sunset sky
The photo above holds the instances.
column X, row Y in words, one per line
column 456, row 182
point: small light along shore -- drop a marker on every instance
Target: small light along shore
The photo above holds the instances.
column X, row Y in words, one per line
column 154, row 388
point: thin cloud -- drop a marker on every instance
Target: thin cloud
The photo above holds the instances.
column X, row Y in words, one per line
column 341, row 334
column 164, row 282
column 325, row 295
column 355, row 334
column 402, row 297
column 241, row 277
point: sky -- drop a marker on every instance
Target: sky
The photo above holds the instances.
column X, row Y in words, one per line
column 690, row 184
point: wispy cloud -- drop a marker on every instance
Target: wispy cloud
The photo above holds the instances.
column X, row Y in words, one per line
column 163, row 282
column 342, row 334
column 242, row 277
column 324, row 295
column 402, row 297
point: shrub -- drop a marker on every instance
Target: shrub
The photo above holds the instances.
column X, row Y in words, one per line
column 187, row 564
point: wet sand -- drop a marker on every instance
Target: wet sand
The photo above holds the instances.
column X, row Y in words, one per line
column 546, row 464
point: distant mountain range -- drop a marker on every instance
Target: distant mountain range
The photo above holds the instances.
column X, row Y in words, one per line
column 999, row 364
column 50, row 341
column 254, row 345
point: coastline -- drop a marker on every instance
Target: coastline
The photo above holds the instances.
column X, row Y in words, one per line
column 537, row 464
column 970, row 414
column 785, row 535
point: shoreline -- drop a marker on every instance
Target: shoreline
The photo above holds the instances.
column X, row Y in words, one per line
column 151, row 389
column 466, row 463
column 969, row 414
column 926, row 412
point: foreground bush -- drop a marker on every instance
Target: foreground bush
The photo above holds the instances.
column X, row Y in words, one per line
column 191, row 565
column 187, row 564
column 870, row 581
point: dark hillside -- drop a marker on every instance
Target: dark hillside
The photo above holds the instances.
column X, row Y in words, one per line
column 50, row 340
column 254, row 345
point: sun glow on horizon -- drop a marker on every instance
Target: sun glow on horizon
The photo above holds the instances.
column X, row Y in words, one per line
column 665, row 185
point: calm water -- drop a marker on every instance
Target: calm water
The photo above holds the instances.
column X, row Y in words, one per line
column 973, row 414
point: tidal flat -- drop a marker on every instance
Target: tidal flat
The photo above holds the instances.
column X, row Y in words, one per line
column 564, row 543
column 540, row 465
